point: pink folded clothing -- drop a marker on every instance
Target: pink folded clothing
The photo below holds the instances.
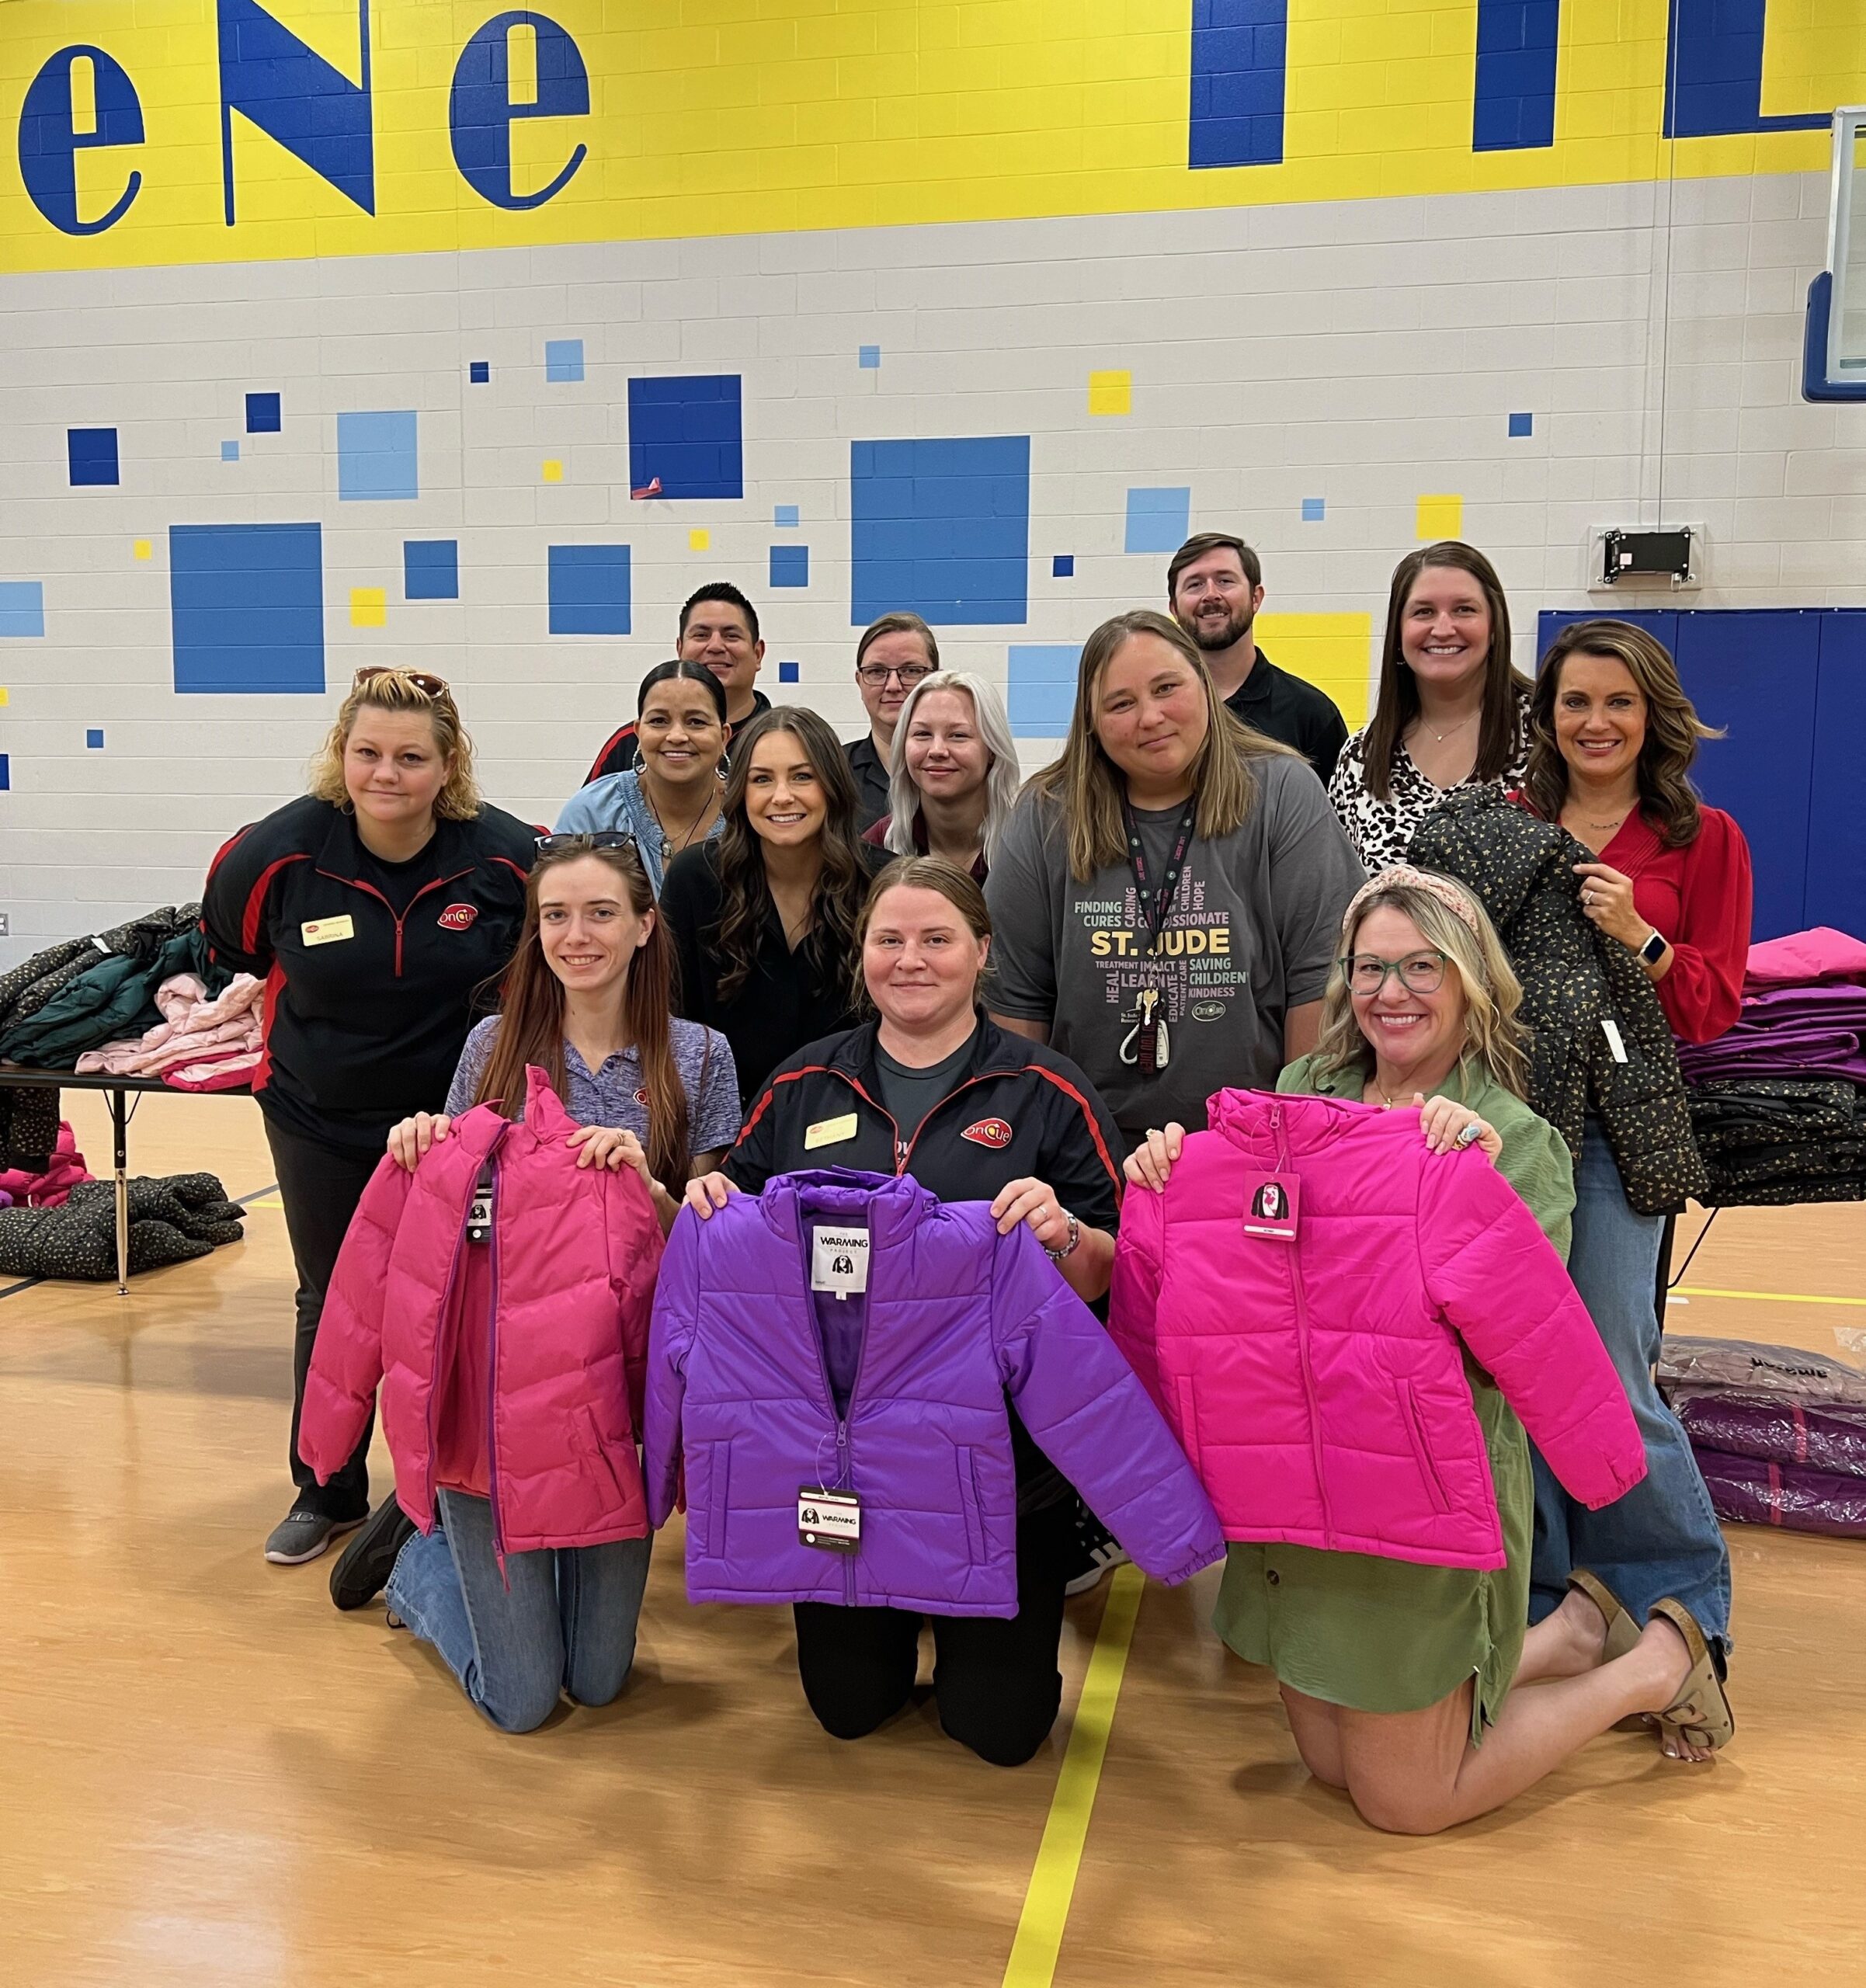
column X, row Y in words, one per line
column 1805, row 959
column 231, row 1073
column 196, row 1030
column 1788, row 1495
column 64, row 1170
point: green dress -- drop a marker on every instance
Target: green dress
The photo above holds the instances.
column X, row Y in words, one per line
column 1392, row 1635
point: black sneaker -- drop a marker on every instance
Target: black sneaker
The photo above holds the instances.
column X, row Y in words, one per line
column 1097, row 1552
column 363, row 1567
column 303, row 1533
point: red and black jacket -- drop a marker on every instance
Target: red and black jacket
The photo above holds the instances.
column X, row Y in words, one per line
column 365, row 1010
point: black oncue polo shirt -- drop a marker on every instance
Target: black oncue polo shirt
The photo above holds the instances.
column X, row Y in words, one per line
column 871, row 776
column 1285, row 708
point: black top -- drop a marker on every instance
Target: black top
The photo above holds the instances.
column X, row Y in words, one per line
column 619, row 753
column 791, row 997
column 1285, row 708
column 870, row 771
column 375, row 966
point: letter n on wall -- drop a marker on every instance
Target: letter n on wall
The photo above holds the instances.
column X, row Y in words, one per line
column 296, row 99
column 1240, row 57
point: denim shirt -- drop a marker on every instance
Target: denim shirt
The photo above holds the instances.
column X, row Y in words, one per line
column 617, row 804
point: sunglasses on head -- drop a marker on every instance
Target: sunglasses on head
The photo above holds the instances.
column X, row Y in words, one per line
column 561, row 845
column 429, row 686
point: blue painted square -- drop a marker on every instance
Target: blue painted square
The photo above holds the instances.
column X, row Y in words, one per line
column 563, row 360
column 1314, row 510
column 787, row 673
column 246, row 608
column 785, row 517
column 376, row 457
column 93, row 739
column 789, row 565
column 1158, row 521
column 21, row 607
column 1042, row 687
column 868, row 357
column 942, row 528
column 430, row 569
column 1522, row 424
column 92, row 453
column 479, row 371
column 1063, row 566
column 6, row 772
column 688, row 433
column 263, row 415
column 230, row 452
column 589, row 590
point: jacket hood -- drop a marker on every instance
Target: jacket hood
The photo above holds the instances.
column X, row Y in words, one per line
column 1518, row 848
column 544, row 1120
column 1265, row 1124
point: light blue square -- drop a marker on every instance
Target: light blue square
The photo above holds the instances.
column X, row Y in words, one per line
column 430, row 569
column 589, row 589
column 1042, row 687
column 246, row 608
column 787, row 673
column 1314, row 510
column 868, row 357
column 1158, row 521
column 377, row 457
column 785, row 517
column 789, row 565
column 93, row 738
column 941, row 527
column 563, row 360
column 21, row 607
column 1521, row 425
column 230, row 452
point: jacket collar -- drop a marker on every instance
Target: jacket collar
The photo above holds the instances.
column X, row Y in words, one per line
column 889, row 1204
column 544, row 1119
column 1265, row 1124
column 342, row 853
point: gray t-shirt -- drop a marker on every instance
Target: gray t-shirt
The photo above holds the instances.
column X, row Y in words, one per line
column 908, row 1094
column 1252, row 931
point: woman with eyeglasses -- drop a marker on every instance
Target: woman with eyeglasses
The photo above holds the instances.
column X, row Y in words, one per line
column 763, row 920
column 374, row 907
column 895, row 653
column 671, row 798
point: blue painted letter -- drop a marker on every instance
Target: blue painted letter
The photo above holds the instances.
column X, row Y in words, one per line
column 1240, row 58
column 482, row 106
column 1713, row 74
column 51, row 136
column 1517, row 42
column 294, row 96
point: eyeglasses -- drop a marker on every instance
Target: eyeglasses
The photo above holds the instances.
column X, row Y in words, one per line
column 582, row 844
column 875, row 674
column 433, row 687
column 1419, row 973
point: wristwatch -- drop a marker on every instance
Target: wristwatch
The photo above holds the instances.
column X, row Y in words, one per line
column 1653, row 950
column 1068, row 1248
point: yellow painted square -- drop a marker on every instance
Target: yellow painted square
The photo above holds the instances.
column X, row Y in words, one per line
column 1440, row 517
column 553, row 472
column 698, row 541
column 1333, row 651
column 1110, row 393
column 368, row 607
column 142, row 549
column 6, row 697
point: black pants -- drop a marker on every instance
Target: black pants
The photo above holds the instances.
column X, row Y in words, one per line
column 320, row 1186
column 995, row 1682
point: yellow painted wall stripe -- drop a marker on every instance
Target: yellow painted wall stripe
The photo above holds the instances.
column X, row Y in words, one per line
column 1046, row 1904
column 1765, row 1297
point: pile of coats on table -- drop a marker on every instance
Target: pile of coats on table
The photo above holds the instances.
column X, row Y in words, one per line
column 171, row 1221
column 203, row 1041
column 1780, row 1433
column 1778, row 1103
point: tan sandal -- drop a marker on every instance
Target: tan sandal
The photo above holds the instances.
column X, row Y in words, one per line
column 1700, row 1712
column 1622, row 1631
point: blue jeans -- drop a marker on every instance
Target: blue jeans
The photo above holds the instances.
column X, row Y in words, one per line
column 1662, row 1538
column 565, row 1623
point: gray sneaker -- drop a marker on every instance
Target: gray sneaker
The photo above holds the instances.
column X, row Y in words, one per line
column 303, row 1533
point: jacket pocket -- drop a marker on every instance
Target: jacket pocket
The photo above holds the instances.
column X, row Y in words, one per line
column 1188, row 1418
column 1422, row 1449
column 588, row 1438
column 969, row 1500
column 718, row 1490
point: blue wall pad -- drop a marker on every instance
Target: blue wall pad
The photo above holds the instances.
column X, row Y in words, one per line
column 430, row 569
column 1315, row 510
column 1837, row 824
column 1521, row 425
column 93, row 739
column 563, row 360
column 246, row 608
column 868, row 357
column 787, row 672
column 376, row 457
column 262, row 414
column 1240, row 57
column 942, row 528
column 688, row 433
column 785, row 517
column 1042, row 687
column 479, row 371
column 92, row 454
column 1158, row 520
column 789, row 565
column 230, row 452
column 1063, row 566
column 589, row 590
column 21, row 607
column 1515, row 95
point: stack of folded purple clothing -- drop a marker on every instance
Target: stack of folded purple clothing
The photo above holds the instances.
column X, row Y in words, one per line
column 1778, row 1103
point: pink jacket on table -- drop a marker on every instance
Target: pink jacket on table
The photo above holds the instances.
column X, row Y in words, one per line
column 536, row 1340
column 1318, row 1386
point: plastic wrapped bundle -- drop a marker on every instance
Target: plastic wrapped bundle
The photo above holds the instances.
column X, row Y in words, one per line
column 1754, row 1368
column 1752, row 1492
column 1822, row 1436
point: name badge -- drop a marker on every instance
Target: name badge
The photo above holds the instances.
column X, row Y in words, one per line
column 829, row 1132
column 1273, row 1205
column 831, row 1519
column 839, row 1260
column 327, row 931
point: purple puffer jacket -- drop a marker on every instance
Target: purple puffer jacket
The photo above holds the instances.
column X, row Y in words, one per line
column 745, row 1363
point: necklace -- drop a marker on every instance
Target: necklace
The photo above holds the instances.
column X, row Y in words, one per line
column 1439, row 738
column 1386, row 1103
column 669, row 848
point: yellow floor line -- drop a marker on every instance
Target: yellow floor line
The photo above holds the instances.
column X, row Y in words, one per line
column 1046, row 1904
column 1766, row 1297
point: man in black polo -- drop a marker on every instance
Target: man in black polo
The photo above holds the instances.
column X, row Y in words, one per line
column 1214, row 586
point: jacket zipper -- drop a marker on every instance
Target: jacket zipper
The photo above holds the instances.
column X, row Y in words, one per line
column 903, row 1150
column 499, row 1535
column 401, row 919
column 843, row 1454
column 1302, row 1344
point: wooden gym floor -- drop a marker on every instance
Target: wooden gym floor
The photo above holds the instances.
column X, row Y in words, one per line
column 211, row 1777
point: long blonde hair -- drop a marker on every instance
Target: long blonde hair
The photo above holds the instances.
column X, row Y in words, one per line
column 402, row 691
column 1087, row 785
column 1001, row 778
column 1494, row 1038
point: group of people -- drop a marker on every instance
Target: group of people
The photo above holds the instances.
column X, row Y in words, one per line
column 747, row 950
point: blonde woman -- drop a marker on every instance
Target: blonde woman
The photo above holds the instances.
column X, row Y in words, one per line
column 374, row 906
column 1398, row 1677
column 955, row 778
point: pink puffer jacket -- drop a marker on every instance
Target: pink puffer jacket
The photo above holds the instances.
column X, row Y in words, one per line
column 1318, row 1386
column 536, row 1340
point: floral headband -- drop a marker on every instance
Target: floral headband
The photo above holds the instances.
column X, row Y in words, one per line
column 1403, row 876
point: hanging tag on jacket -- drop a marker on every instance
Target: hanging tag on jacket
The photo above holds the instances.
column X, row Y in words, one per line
column 831, row 1519
column 1611, row 1029
column 1273, row 1205
column 479, row 1216
column 839, row 1260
